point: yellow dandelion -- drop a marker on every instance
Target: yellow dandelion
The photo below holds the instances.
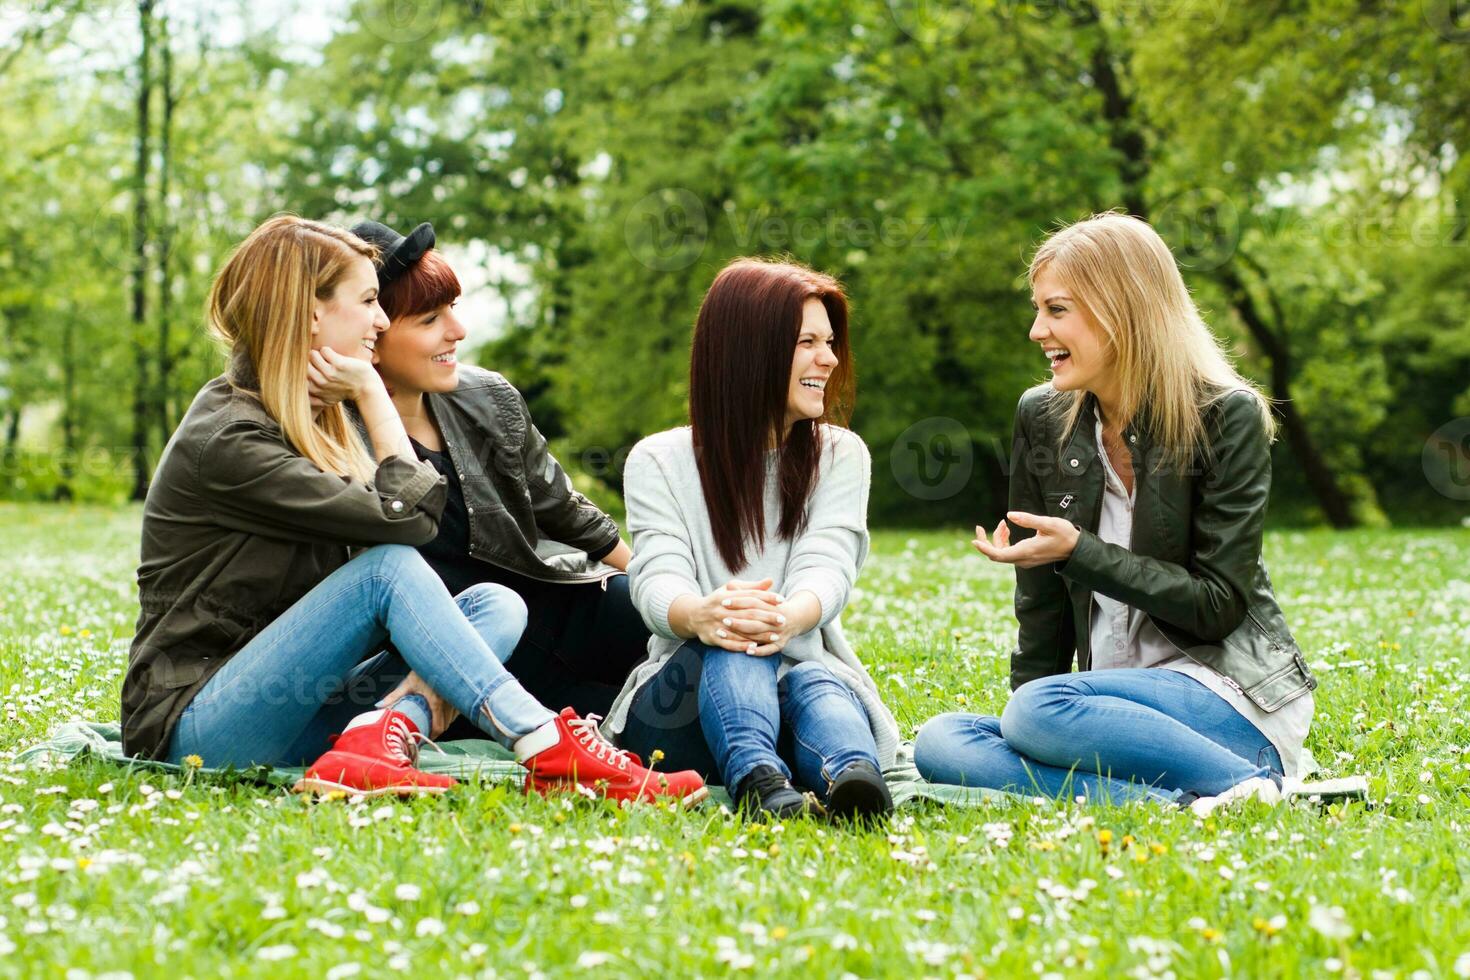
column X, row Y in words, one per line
column 1269, row 927
column 193, row 761
column 779, row 933
column 1211, row 934
column 66, row 631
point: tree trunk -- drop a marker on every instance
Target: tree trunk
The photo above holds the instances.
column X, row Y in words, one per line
column 12, row 437
column 141, row 385
column 1125, row 134
column 164, row 356
column 64, row 490
column 1335, row 503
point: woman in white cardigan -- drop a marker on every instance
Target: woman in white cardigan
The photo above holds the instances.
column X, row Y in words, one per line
column 749, row 527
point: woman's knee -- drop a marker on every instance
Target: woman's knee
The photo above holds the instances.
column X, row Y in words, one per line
column 808, row 676
column 501, row 603
column 1035, row 716
column 950, row 743
column 392, row 560
column 731, row 663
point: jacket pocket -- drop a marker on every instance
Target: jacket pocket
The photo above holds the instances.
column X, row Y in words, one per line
column 1270, row 672
column 1062, row 503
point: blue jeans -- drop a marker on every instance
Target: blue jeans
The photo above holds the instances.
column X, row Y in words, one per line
column 724, row 713
column 1112, row 735
column 307, row 673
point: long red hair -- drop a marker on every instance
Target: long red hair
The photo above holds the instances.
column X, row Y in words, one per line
column 739, row 377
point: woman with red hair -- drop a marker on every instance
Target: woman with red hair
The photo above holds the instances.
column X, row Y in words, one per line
column 512, row 517
column 749, row 527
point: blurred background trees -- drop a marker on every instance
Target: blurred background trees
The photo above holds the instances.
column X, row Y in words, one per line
column 590, row 164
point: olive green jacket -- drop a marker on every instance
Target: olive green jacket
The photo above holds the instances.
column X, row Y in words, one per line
column 1195, row 563
column 237, row 527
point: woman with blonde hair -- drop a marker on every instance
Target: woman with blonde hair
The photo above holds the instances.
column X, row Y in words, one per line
column 278, row 560
column 1138, row 489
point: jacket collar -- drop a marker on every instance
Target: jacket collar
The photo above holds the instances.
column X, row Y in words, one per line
column 1081, row 449
column 1082, row 445
column 241, row 371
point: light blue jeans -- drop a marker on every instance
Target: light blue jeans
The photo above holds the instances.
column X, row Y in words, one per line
column 305, row 675
column 722, row 714
column 1109, row 735
column 742, row 708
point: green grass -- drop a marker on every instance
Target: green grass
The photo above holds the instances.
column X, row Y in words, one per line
column 104, row 871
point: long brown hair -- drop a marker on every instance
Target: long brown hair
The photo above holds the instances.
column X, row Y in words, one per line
column 739, row 377
column 260, row 309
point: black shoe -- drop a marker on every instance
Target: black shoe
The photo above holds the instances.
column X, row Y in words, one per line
column 859, row 791
column 765, row 790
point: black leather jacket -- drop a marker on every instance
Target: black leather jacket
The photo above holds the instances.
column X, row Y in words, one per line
column 524, row 514
column 1195, row 564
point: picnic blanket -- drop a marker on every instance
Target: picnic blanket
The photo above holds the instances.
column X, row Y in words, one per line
column 467, row 760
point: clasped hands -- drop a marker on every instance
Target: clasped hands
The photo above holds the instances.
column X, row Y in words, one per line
column 746, row 617
column 1054, row 540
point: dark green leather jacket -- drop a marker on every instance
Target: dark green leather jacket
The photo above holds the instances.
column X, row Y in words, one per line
column 237, row 527
column 1194, row 568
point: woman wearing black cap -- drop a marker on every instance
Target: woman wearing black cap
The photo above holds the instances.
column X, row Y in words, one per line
column 277, row 561
column 512, row 517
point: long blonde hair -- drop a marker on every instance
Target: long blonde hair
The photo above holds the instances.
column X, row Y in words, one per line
column 260, row 307
column 1164, row 356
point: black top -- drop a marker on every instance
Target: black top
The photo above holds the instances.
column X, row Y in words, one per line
column 449, row 553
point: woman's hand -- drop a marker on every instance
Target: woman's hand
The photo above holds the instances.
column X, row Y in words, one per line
column 442, row 712
column 332, row 377
column 793, row 617
column 1054, row 541
column 738, row 616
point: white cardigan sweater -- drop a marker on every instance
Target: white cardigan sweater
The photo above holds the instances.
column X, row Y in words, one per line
column 674, row 554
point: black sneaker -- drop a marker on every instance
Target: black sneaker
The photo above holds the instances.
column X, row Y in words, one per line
column 765, row 790
column 859, row 791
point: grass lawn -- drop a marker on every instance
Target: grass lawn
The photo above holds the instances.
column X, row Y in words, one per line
column 105, row 872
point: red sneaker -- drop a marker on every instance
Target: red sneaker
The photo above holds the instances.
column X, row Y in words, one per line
column 373, row 757
column 580, row 756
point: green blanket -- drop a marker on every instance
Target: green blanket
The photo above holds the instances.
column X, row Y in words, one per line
column 469, row 759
